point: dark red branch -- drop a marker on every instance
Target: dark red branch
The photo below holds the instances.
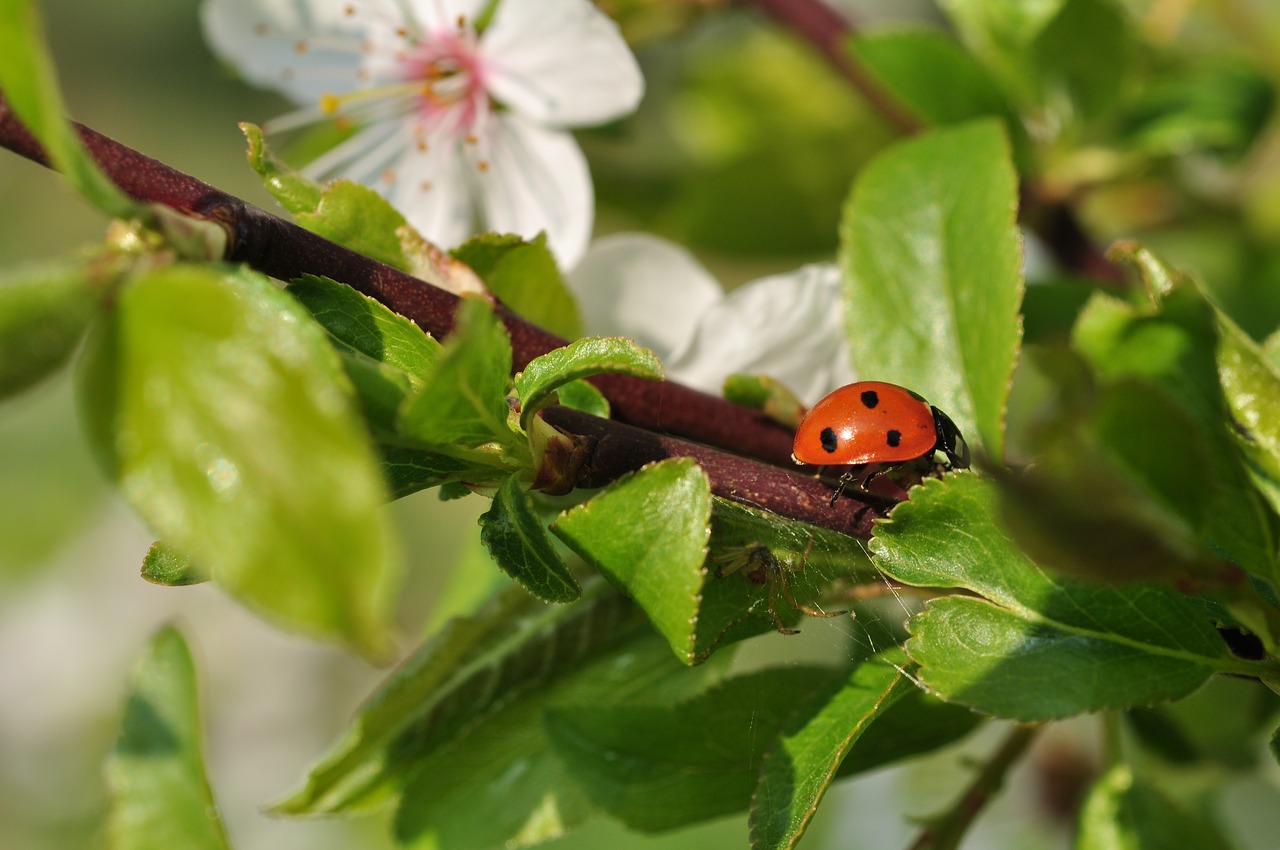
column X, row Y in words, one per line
column 620, row 449
column 285, row 251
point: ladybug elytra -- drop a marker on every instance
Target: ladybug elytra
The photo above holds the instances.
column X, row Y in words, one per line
column 876, row 423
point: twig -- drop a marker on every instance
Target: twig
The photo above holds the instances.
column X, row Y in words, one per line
column 284, row 250
column 946, row 831
column 828, row 31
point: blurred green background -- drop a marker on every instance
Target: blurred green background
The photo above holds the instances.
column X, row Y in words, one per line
column 743, row 151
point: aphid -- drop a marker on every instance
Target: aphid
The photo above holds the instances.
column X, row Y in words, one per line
column 760, row 566
column 873, row 427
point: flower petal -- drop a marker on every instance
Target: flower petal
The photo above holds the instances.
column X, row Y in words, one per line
column 560, row 62
column 534, row 180
column 642, row 287
column 788, row 326
column 431, row 15
column 304, row 48
column 431, row 190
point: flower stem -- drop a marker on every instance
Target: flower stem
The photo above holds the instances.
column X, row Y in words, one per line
column 946, row 831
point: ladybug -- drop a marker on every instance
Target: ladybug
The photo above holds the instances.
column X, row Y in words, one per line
column 874, row 426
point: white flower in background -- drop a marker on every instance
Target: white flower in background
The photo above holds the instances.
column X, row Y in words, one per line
column 461, row 105
column 788, row 326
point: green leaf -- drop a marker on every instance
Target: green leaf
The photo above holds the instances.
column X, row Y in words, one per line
column 657, row 767
column 931, row 259
column 408, row 470
column 166, row 565
column 295, row 193
column 769, row 396
column 580, row 359
column 1251, row 386
column 1104, row 502
column 910, row 63
column 1175, row 345
column 648, row 534
column 357, row 217
column 1000, row 32
column 1125, row 813
column 758, row 559
column 160, row 798
column 802, row 763
column 44, row 312
column 503, row 784
column 524, row 276
column 30, row 87
column 386, row 356
column 1219, row 108
column 465, row 401
column 917, row 723
column 223, row 414
column 1083, row 58
column 580, row 395
column 518, row 541
column 1037, row 646
column 467, row 672
column 362, row 324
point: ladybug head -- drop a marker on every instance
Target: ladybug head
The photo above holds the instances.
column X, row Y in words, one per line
column 950, row 440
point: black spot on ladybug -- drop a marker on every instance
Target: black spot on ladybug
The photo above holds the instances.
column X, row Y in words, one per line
column 870, row 399
column 829, row 440
column 895, row 437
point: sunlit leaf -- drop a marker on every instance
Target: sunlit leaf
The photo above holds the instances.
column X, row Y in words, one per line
column 1035, row 646
column 931, row 259
column 648, row 533
column 160, row 798
column 222, row 412
column 518, row 540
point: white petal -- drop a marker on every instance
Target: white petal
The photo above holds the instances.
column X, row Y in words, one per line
column 443, row 14
column 643, row 287
column 432, row 191
column 788, row 326
column 304, row 48
column 537, row 180
column 560, row 62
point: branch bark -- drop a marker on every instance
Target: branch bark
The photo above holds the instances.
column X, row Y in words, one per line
column 659, row 414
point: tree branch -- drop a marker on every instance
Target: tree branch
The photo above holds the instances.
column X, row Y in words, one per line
column 947, row 831
column 658, row 410
column 829, row 33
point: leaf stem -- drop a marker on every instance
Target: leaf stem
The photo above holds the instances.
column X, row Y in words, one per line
column 946, row 831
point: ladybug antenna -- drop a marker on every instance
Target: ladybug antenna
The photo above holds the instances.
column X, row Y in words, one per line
column 950, row 440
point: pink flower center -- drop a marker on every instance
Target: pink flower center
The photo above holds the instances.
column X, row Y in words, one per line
column 452, row 75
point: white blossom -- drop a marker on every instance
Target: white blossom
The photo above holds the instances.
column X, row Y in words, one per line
column 788, row 326
column 460, row 107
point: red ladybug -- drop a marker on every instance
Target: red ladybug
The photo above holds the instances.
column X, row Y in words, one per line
column 873, row 423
